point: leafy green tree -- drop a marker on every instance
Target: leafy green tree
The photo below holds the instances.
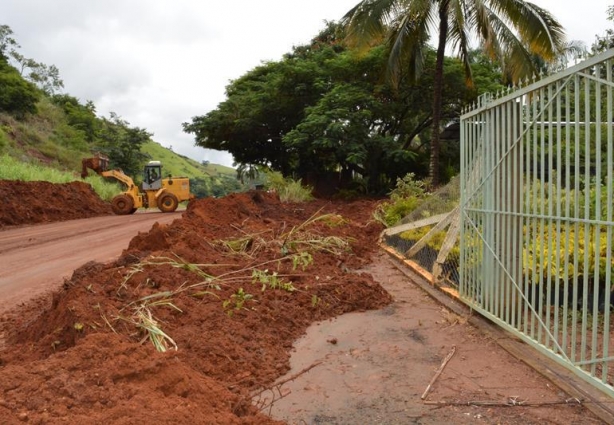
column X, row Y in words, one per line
column 7, row 42
column 356, row 126
column 123, row 143
column 605, row 41
column 80, row 117
column 262, row 106
column 200, row 187
column 363, row 125
column 510, row 31
column 46, row 77
column 18, row 97
column 324, row 112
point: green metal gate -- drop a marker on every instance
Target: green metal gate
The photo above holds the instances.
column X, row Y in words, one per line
column 537, row 207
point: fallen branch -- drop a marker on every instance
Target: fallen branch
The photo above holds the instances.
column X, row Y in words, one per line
column 443, row 365
column 275, row 389
column 512, row 402
column 296, row 375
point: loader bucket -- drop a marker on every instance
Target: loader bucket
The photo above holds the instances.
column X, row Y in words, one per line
column 98, row 163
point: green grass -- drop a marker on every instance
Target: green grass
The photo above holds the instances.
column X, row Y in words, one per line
column 13, row 169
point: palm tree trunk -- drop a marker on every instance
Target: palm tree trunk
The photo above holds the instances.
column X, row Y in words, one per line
column 438, row 95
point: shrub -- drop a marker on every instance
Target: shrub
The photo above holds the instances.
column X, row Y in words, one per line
column 404, row 198
column 289, row 190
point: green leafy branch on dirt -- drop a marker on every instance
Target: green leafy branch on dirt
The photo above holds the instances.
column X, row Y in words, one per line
column 236, row 301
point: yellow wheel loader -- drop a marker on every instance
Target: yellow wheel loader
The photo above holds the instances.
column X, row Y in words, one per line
column 164, row 193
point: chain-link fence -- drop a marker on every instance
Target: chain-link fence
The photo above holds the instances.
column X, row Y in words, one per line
column 428, row 236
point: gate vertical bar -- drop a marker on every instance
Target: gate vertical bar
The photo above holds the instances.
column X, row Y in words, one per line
column 576, row 194
column 610, row 189
column 541, row 200
column 587, row 213
column 567, row 214
column 597, row 260
column 537, row 233
column 557, row 250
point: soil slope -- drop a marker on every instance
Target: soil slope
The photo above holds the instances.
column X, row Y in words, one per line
column 231, row 286
column 43, row 202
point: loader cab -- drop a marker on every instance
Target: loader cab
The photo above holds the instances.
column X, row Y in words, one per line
column 152, row 176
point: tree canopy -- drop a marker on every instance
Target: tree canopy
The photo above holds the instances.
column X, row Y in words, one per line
column 605, row 41
column 45, row 77
column 326, row 112
column 511, row 32
column 18, row 97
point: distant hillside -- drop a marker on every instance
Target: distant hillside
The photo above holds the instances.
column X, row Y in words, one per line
column 205, row 180
column 48, row 138
column 180, row 165
column 41, row 127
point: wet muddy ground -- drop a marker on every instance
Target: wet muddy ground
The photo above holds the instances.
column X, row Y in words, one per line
column 374, row 366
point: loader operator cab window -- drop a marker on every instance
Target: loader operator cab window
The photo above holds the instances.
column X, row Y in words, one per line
column 152, row 177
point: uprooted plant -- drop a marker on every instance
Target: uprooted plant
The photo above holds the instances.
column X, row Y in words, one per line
column 298, row 239
column 247, row 244
column 236, row 301
column 143, row 318
column 271, row 280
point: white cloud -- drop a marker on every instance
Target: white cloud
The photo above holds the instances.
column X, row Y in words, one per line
column 158, row 64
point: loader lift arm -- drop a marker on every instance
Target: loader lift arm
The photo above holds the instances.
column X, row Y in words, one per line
column 119, row 175
column 100, row 165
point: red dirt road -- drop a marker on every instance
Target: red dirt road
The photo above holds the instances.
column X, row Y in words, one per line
column 36, row 259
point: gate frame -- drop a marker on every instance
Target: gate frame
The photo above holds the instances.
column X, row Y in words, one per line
column 492, row 267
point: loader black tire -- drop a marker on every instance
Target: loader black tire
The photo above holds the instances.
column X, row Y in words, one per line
column 168, row 202
column 122, row 205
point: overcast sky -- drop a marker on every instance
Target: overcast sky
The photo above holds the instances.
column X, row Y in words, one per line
column 158, row 63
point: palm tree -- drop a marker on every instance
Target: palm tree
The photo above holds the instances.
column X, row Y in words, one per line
column 510, row 31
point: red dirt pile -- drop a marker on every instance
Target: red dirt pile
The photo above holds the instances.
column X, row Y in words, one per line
column 44, row 202
column 232, row 285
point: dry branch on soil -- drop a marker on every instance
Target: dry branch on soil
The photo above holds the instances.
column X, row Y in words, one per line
column 276, row 388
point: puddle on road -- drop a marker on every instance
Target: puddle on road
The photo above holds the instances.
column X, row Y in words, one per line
column 373, row 364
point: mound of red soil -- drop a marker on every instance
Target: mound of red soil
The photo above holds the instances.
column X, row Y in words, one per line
column 43, row 202
column 227, row 290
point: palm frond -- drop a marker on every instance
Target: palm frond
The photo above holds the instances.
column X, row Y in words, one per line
column 459, row 37
column 408, row 36
column 516, row 59
column 368, row 21
column 478, row 18
column 536, row 27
